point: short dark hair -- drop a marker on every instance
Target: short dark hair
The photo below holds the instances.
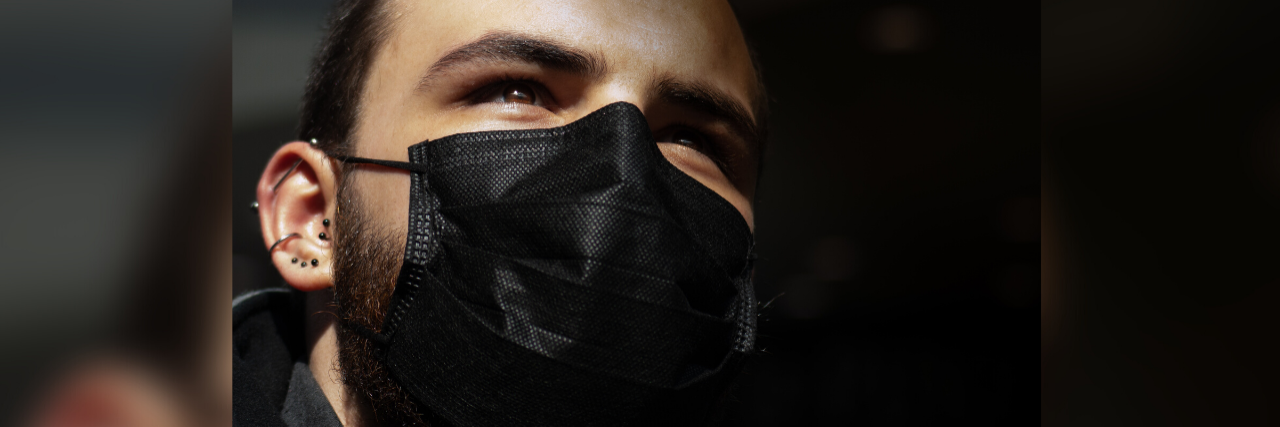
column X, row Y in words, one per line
column 356, row 29
column 331, row 104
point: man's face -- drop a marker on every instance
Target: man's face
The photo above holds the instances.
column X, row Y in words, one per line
column 449, row 67
column 463, row 66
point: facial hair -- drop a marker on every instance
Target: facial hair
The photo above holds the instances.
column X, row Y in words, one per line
column 367, row 260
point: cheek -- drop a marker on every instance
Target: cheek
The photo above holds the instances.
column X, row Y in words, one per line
column 701, row 168
column 385, row 198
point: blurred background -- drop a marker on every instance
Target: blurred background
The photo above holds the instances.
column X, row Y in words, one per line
column 899, row 217
column 112, row 114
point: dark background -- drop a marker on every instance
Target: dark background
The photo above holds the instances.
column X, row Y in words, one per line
column 898, row 219
column 899, row 215
column 1160, row 128
column 106, row 108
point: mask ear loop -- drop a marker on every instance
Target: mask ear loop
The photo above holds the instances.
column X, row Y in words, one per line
column 379, row 339
column 382, row 340
column 404, row 166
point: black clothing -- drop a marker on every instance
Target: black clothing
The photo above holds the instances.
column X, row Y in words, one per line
column 273, row 385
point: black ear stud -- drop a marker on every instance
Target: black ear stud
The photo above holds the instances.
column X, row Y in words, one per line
column 315, row 263
column 295, row 261
column 326, row 222
column 324, row 236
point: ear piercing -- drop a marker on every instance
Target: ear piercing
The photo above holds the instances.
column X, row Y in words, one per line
column 286, row 175
column 314, row 262
column 282, row 239
column 254, row 205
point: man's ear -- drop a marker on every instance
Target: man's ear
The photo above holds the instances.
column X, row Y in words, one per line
column 297, row 199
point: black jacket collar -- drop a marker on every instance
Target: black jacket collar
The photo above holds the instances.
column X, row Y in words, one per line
column 268, row 344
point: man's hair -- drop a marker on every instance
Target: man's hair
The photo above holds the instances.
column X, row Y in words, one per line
column 357, row 28
column 331, row 104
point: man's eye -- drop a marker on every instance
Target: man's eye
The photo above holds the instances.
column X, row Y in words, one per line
column 519, row 93
column 689, row 139
column 697, row 140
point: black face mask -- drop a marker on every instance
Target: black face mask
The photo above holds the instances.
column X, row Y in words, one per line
column 567, row 276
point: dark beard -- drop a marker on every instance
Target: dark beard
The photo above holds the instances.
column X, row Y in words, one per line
column 366, row 262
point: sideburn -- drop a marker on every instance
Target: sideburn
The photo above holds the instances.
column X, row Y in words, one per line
column 367, row 260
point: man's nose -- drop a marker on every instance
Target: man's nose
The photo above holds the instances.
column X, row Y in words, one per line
column 617, row 90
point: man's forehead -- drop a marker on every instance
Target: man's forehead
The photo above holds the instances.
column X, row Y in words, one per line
column 692, row 38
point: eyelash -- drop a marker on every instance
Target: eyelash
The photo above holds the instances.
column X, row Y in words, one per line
column 488, row 87
column 712, row 148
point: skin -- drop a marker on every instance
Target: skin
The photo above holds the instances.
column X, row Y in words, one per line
column 639, row 43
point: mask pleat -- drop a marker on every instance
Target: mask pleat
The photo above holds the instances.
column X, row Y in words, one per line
column 568, row 276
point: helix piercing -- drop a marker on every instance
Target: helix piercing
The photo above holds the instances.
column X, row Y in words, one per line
column 326, row 220
column 286, row 175
column 282, row 239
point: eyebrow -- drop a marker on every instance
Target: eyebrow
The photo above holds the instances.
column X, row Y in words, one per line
column 501, row 46
column 707, row 99
column 504, row 46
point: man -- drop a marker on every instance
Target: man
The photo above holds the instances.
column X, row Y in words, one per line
column 537, row 260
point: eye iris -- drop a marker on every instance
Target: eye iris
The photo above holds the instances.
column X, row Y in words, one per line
column 686, row 138
column 518, row 93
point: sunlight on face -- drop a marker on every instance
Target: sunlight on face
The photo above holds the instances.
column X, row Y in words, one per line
column 452, row 67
